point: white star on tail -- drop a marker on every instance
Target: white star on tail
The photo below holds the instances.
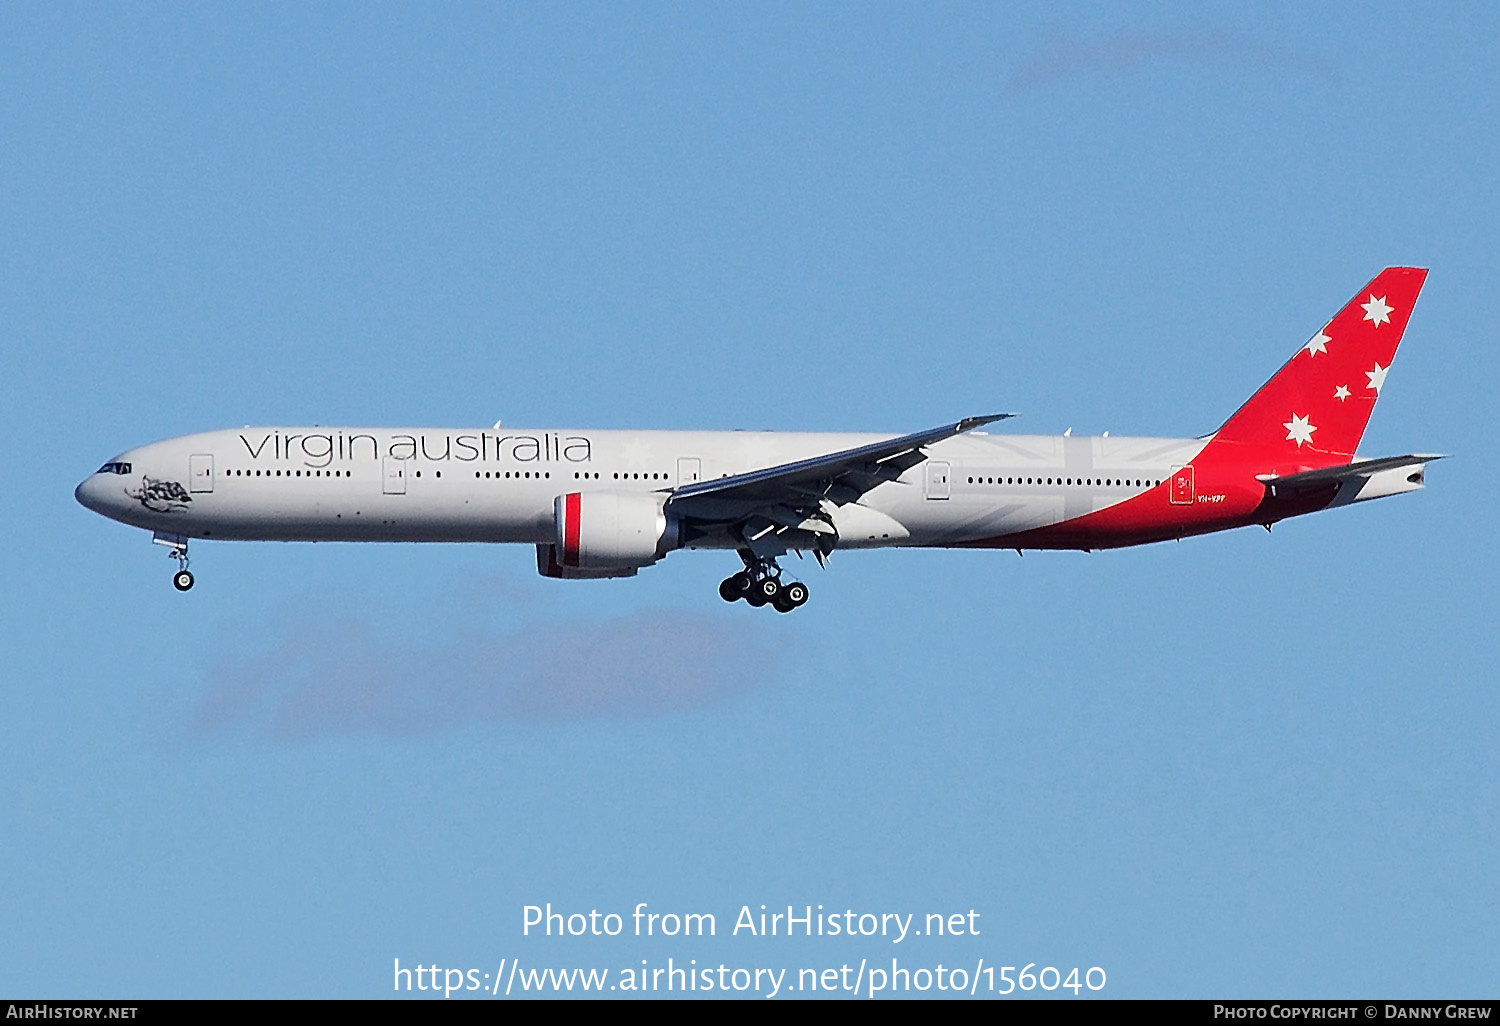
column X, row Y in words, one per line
column 1376, row 310
column 1341, row 393
column 1299, row 430
column 1377, row 377
column 1317, row 344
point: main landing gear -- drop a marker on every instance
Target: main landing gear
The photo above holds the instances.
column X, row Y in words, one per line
column 177, row 547
column 760, row 584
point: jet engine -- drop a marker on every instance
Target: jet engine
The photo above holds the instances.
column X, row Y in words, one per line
column 606, row 534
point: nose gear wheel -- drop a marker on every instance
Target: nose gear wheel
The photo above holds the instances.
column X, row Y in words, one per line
column 177, row 548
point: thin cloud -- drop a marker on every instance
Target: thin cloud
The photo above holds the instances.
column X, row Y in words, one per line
column 1065, row 58
column 347, row 676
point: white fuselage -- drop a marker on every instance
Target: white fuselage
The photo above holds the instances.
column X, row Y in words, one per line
column 499, row 485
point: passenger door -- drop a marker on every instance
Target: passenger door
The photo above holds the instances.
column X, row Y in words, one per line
column 394, row 476
column 201, row 472
column 937, row 479
column 1181, row 491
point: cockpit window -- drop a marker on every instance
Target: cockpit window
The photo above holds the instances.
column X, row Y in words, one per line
column 115, row 467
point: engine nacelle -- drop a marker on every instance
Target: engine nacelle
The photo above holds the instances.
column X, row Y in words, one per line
column 547, row 565
column 611, row 531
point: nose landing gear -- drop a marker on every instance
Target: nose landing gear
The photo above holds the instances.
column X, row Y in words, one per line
column 177, row 548
column 760, row 584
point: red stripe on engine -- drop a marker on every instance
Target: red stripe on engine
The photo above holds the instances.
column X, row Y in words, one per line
column 571, row 505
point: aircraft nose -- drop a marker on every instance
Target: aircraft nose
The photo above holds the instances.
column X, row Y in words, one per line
column 88, row 494
column 101, row 492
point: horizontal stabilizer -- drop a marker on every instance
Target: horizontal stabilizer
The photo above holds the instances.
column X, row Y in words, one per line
column 1357, row 481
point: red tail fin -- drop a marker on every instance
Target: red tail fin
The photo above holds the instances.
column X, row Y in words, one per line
column 1317, row 405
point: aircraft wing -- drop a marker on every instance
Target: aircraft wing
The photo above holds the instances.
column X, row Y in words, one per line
column 1325, row 476
column 840, row 477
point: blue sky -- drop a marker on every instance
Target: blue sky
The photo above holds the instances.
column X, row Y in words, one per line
column 1239, row 766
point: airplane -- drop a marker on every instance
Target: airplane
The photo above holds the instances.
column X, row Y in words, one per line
column 601, row 504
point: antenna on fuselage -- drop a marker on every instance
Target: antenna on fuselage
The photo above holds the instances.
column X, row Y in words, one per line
column 496, row 427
